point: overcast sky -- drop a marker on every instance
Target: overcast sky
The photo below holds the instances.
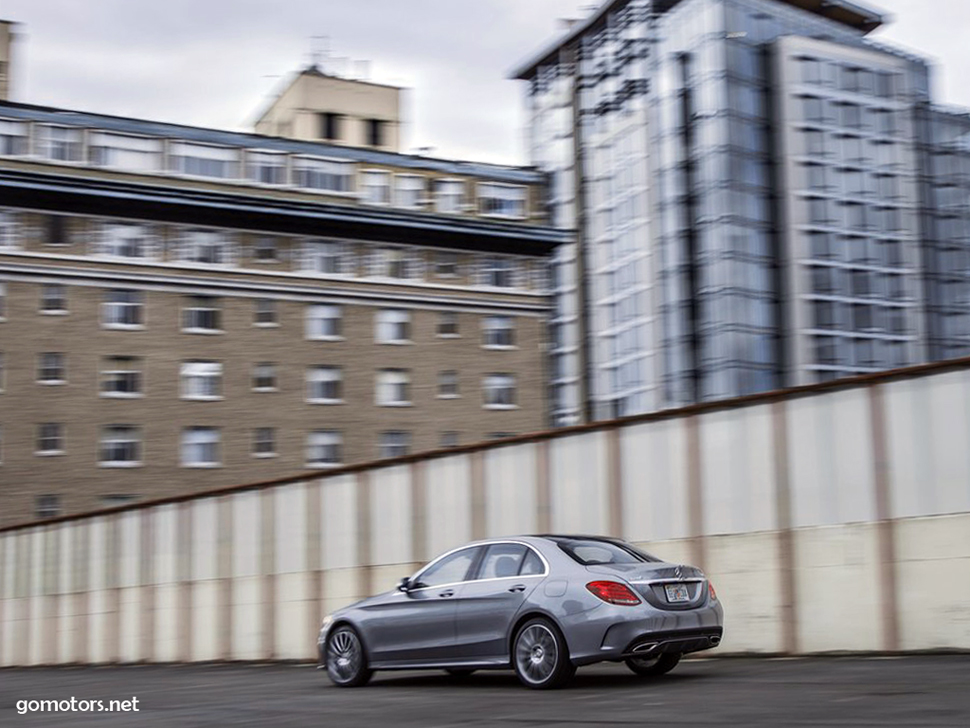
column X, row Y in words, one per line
column 215, row 62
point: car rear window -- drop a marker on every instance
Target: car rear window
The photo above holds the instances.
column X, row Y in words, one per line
column 592, row 553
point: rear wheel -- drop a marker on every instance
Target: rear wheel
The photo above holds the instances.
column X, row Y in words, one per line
column 346, row 661
column 660, row 665
column 540, row 655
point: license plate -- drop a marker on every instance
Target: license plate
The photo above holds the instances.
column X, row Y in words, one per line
column 677, row 593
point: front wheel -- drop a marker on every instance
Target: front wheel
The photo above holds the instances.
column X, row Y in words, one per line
column 648, row 666
column 540, row 656
column 346, row 661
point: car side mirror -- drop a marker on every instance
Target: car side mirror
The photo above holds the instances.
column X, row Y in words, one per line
column 404, row 584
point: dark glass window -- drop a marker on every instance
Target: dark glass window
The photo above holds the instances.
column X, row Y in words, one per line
column 330, row 126
column 375, row 132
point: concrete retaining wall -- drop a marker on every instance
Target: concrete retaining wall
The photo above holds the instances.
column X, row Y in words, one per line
column 829, row 520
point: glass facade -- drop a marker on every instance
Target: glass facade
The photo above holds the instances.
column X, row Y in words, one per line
column 763, row 197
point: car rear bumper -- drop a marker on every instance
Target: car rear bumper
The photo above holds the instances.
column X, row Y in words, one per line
column 616, row 633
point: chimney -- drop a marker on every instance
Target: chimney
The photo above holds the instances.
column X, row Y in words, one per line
column 6, row 41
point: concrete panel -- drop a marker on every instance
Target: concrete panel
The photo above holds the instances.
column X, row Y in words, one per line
column 247, row 632
column 510, row 491
column 206, row 620
column 449, row 504
column 338, row 504
column 745, row 572
column 933, row 577
column 837, row 588
column 737, row 471
column 292, row 640
column 579, row 498
column 390, row 523
column 654, row 490
column 98, row 623
column 246, row 534
column 165, row 532
column 205, row 540
column 129, row 549
column 830, row 451
column 130, row 607
column 167, row 622
column 66, row 630
column 291, row 532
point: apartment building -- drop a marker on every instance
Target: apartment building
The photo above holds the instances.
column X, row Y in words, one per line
column 185, row 308
column 764, row 197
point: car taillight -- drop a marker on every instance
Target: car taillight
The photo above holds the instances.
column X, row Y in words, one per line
column 710, row 588
column 613, row 592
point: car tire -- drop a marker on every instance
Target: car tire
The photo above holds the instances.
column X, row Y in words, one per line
column 346, row 659
column 540, row 655
column 653, row 666
column 459, row 672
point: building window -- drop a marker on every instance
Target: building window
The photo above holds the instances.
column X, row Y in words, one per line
column 447, row 324
column 53, row 298
column 449, row 196
column 409, row 191
column 125, row 240
column 448, row 439
column 323, row 175
column 497, row 200
column 324, row 385
column 394, row 444
column 202, row 315
column 446, row 264
column 498, row 332
column 47, row 506
column 323, row 322
column 201, row 380
column 208, row 247
column 375, row 132
column 264, row 377
column 375, row 187
column 117, row 500
column 51, row 368
column 266, row 312
column 265, row 250
column 120, row 446
column 330, row 126
column 122, row 309
column 13, row 138
column 328, row 257
column 200, row 447
column 497, row 273
column 394, row 388
column 324, row 448
column 499, row 390
column 399, row 263
column 127, row 153
column 264, row 442
column 393, row 326
column 50, row 438
column 448, row 385
column 57, row 143
column 9, row 230
column 121, row 376
column 203, row 160
column 266, row 168
column 57, row 231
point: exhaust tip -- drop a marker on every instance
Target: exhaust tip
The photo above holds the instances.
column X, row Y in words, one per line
column 715, row 640
column 648, row 647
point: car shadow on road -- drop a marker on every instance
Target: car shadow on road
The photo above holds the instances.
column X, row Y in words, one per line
column 490, row 680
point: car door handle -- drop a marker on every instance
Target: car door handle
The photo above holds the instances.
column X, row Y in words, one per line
column 517, row 588
column 447, row 594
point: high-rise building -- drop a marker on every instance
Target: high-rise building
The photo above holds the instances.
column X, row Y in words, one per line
column 764, row 197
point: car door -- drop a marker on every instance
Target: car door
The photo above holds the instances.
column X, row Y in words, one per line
column 507, row 575
column 418, row 625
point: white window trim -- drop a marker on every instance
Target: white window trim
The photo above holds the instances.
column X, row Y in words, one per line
column 170, row 154
column 310, row 381
column 350, row 194
column 361, row 187
column 479, row 197
column 245, row 163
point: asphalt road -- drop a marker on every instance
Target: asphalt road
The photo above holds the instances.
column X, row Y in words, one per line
column 914, row 691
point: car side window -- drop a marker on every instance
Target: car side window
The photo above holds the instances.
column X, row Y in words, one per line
column 502, row 560
column 532, row 565
column 449, row 570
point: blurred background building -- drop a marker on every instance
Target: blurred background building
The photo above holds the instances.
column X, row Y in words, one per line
column 764, row 198
column 185, row 308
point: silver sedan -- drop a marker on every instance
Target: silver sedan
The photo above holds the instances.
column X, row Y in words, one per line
column 541, row 605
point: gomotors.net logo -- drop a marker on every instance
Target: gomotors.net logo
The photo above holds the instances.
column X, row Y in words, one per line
column 74, row 705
